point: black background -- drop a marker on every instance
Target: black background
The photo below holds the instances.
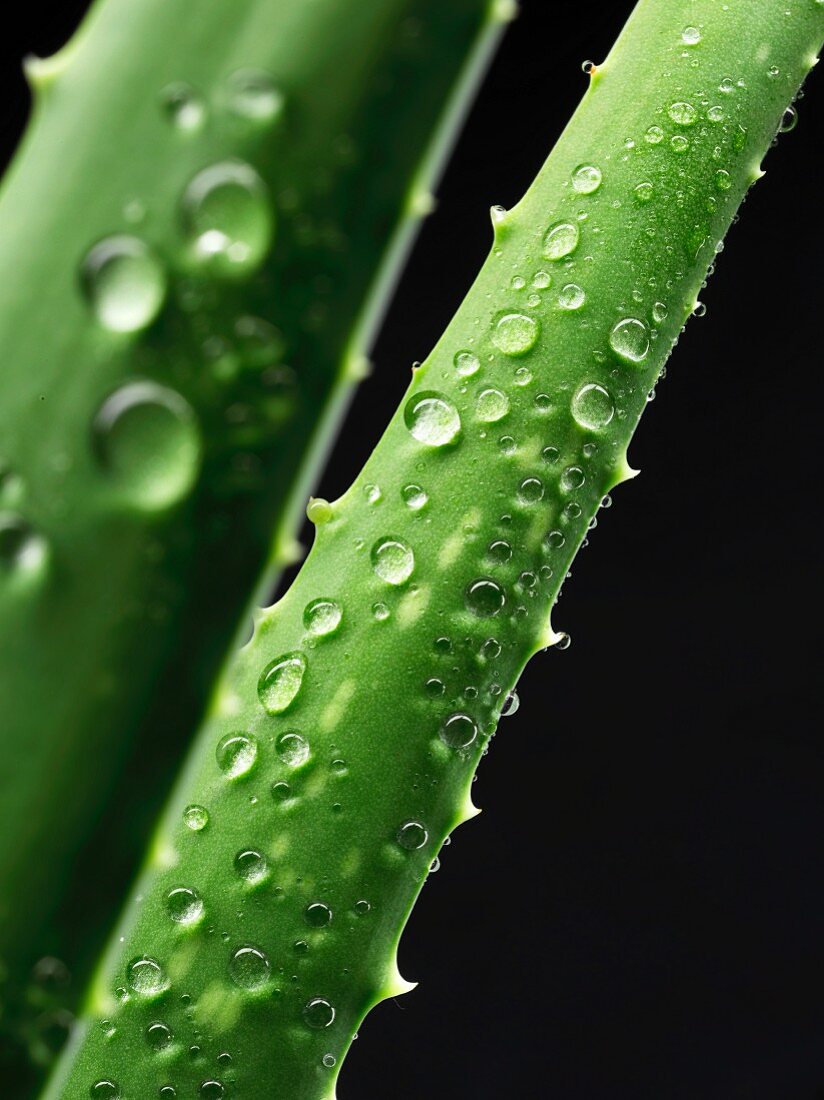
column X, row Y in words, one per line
column 639, row 910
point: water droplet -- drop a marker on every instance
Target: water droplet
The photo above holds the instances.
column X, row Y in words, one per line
column 252, row 95
column 586, row 178
column 249, row 967
column 643, row 193
column 145, row 976
column 414, row 497
column 183, row 106
column 629, row 339
column 572, row 478
column 168, row 1092
column 592, row 406
column 500, row 551
column 789, row 121
column 467, row 364
column 550, row 455
column 515, row 333
column 124, row 282
column 654, row 135
column 236, row 754
column 690, row 36
column 555, row 540
column 392, row 560
column 699, row 309
column 292, row 748
column 158, row 1036
column 281, row 791
column 229, row 216
column 281, row 681
column 588, row 67
column 322, row 617
column 560, row 240
column 184, row 905
column 571, row 296
column 530, row 491
column 23, row 551
column 715, row 114
column 541, row 280
column 434, row 687
column 329, row 1061
column 318, row 1013
column 251, row 865
column 147, row 440
column 727, row 85
column 212, row 1090
column 485, row 597
column 373, row 494
column 362, row 907
column 679, row 143
column 380, row 611
column 432, row 419
column 104, row 1090
column 491, row 405
column 196, row 818
column 412, row 835
column 511, row 704
column 318, row 915
column 682, row 114
column 564, row 642
column 723, row 180
column 318, row 511
column 773, row 71
column 659, row 312
column 458, row 731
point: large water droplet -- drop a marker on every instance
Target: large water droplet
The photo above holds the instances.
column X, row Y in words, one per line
column 571, row 296
column 485, row 597
column 252, row 94
column 281, row 681
column 236, row 754
column 412, row 835
column 432, row 419
column 229, row 216
column 682, row 114
column 105, row 1090
column 592, row 406
column 629, row 340
column 184, row 905
column 392, row 560
column 146, row 977
column 196, row 818
column 124, row 282
column 158, row 1036
column 515, row 333
column 491, row 405
column 292, row 748
column 530, row 491
column 586, row 178
column 212, row 1090
column 322, row 617
column 560, row 240
column 148, row 442
column 249, row 967
column 318, row 1013
column 251, row 865
column 23, row 550
column 459, row 731
column 318, row 914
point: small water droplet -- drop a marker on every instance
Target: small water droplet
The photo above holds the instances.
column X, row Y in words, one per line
column 727, row 85
column 412, row 835
column 322, row 617
column 147, row 441
column 659, row 312
column 392, row 560
column 236, row 754
column 654, row 135
column 145, row 976
column 629, row 339
column 682, row 114
column 249, row 967
column 500, row 551
column 292, row 748
column 572, row 478
column 530, row 491
column 643, row 193
column 715, row 114
column 586, row 178
column 318, row 914
column 124, row 282
column 251, row 94
column 541, row 280
column 491, row 405
column 561, row 240
column 196, row 818
column 212, row 1090
column 432, row 419
column 789, row 121
column 104, row 1090
column 592, row 406
column 458, row 732
column 550, row 455
column 229, row 217
column 380, row 611
column 679, row 144
column 362, row 907
column 23, row 550
column 515, row 333
column 467, row 364
column 485, row 597
column 251, row 865
column 280, row 682
column 184, row 905
column 318, row 1013
column 690, row 36
column 183, row 106
column 571, row 296
column 158, row 1036
column 281, row 791
column 414, row 497
column 588, row 67
column 699, row 309
column 555, row 540
column 511, row 704
column 723, row 180
column 564, row 642
column 329, row 1061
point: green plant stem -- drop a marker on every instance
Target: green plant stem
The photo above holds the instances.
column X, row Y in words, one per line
column 341, row 744
column 130, row 543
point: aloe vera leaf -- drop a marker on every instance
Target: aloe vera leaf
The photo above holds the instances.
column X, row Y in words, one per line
column 194, row 256
column 341, row 744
